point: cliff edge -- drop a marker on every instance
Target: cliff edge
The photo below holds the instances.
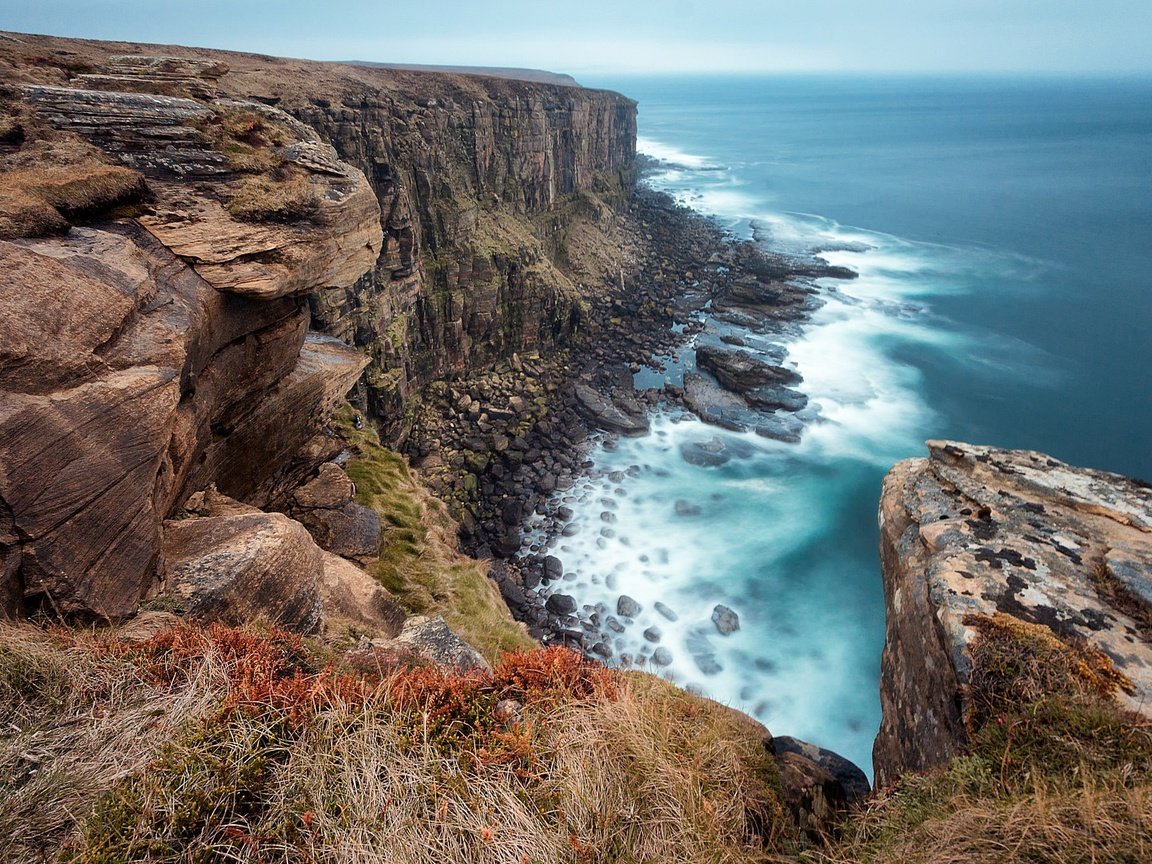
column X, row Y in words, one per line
column 974, row 532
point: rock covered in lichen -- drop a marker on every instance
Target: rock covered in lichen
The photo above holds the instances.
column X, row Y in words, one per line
column 976, row 531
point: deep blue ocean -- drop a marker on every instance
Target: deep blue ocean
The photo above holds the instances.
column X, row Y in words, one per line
column 1002, row 230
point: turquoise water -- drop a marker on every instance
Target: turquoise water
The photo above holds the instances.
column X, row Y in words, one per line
column 1002, row 230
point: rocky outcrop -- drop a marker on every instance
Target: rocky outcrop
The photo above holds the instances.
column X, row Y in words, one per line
column 146, row 357
column 431, row 639
column 978, row 531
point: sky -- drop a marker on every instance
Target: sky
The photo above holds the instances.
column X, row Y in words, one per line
column 622, row 36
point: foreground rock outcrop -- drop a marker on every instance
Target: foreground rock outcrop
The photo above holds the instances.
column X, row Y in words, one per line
column 975, row 531
column 152, row 353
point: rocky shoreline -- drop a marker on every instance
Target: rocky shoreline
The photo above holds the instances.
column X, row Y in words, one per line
column 498, row 446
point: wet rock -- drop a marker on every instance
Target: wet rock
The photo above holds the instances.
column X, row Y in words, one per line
column 653, row 634
column 665, row 611
column 662, row 657
column 703, row 654
column 776, row 399
column 561, row 604
column 606, row 414
column 687, row 508
column 626, row 607
column 742, row 371
column 725, row 619
column 553, row 568
column 852, row 780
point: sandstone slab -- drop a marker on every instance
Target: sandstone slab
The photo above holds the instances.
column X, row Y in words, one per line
column 244, row 567
column 978, row 530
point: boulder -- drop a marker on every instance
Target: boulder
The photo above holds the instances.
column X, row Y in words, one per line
column 725, row 619
column 353, row 531
column 603, row 412
column 713, row 404
column 853, row 781
column 561, row 604
column 432, row 639
column 742, row 371
column 243, row 567
column 331, row 489
column 351, row 596
column 626, row 607
column 814, row 798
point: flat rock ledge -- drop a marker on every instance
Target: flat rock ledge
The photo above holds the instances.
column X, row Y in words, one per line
column 978, row 530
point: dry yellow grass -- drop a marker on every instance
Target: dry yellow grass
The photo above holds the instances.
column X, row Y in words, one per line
column 73, row 727
column 1057, row 773
column 222, row 746
column 35, row 201
column 264, row 198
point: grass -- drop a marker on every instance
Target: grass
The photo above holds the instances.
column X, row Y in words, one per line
column 221, row 744
column 75, row 722
column 419, row 562
column 39, row 201
column 1056, row 773
column 268, row 189
column 280, row 196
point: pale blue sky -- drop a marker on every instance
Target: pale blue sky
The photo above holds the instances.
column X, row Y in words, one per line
column 642, row 35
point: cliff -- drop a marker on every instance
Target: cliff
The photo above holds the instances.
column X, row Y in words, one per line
column 972, row 533
column 223, row 206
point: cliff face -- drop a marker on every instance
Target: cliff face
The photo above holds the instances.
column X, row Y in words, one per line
column 423, row 218
column 478, row 186
column 975, row 531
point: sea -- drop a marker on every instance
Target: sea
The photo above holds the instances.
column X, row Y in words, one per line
column 1002, row 233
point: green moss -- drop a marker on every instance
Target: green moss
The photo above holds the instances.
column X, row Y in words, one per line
column 418, row 561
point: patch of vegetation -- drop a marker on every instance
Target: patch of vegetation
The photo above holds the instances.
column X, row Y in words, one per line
column 282, row 195
column 237, row 745
column 270, row 189
column 39, row 201
column 1056, row 772
column 247, row 138
column 419, row 562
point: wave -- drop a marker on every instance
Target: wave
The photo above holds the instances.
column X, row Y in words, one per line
column 764, row 532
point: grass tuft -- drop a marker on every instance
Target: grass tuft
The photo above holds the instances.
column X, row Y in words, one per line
column 35, row 201
column 280, row 196
column 219, row 744
column 1057, row 772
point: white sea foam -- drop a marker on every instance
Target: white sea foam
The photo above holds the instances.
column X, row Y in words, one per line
column 671, row 155
column 761, row 532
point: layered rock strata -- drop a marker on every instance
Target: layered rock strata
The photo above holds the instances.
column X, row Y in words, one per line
column 148, row 357
column 977, row 531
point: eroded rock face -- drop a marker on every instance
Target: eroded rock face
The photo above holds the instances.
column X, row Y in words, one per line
column 163, row 136
column 146, row 383
column 980, row 530
column 146, row 358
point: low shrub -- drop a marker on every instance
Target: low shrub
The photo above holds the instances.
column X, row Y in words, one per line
column 547, row 758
